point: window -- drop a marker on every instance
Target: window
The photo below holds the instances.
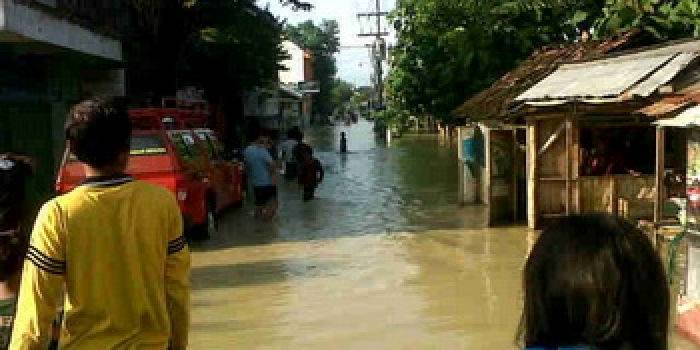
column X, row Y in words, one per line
column 213, row 147
column 146, row 145
column 184, row 143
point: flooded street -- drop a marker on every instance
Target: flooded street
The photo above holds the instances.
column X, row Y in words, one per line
column 383, row 259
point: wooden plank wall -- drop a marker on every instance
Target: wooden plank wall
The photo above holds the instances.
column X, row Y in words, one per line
column 552, row 167
column 629, row 196
column 531, row 173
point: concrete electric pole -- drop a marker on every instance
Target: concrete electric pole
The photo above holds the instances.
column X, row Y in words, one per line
column 378, row 49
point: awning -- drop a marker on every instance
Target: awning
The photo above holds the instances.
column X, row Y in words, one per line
column 689, row 118
column 626, row 76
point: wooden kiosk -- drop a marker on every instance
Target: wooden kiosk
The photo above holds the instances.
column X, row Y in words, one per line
column 589, row 148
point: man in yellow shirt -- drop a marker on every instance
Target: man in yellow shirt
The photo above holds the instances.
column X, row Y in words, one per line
column 110, row 253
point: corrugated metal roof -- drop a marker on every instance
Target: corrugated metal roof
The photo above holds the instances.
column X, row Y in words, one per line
column 495, row 101
column 663, row 75
column 672, row 104
column 603, row 78
column 689, row 118
column 666, row 106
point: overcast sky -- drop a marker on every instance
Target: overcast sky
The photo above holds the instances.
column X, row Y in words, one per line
column 353, row 63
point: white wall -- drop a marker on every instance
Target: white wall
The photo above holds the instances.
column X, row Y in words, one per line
column 295, row 64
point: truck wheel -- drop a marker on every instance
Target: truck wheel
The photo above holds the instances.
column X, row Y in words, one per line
column 208, row 228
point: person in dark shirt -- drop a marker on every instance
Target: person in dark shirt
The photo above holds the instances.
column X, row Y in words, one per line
column 310, row 173
column 343, row 143
column 13, row 173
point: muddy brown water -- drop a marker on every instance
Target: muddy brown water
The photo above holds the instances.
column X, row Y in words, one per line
column 385, row 258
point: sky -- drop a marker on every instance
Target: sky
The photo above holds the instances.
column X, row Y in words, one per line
column 353, row 63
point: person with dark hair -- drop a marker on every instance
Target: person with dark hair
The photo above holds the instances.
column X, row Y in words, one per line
column 594, row 282
column 310, row 173
column 261, row 170
column 13, row 172
column 111, row 252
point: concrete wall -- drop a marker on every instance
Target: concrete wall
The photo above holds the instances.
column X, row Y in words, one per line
column 48, row 64
column 294, row 65
column 20, row 23
column 104, row 82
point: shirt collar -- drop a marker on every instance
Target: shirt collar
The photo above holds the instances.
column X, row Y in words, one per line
column 107, row 181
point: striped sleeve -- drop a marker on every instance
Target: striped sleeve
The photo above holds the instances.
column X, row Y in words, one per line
column 44, row 262
column 177, row 245
column 177, row 278
column 41, row 286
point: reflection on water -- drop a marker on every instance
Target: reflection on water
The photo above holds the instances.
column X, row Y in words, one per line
column 384, row 259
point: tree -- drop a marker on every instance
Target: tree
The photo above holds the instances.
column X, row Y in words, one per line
column 341, row 94
column 297, row 5
column 323, row 41
column 448, row 50
column 663, row 20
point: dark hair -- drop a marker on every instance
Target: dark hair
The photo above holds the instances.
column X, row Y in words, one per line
column 295, row 133
column 12, row 251
column 595, row 280
column 13, row 174
column 98, row 131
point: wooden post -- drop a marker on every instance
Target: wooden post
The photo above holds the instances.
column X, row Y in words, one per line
column 614, row 197
column 569, row 159
column 660, row 169
column 460, row 158
column 487, row 178
column 515, row 174
column 576, row 171
column 532, row 198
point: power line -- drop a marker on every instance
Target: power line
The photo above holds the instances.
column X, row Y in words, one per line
column 378, row 48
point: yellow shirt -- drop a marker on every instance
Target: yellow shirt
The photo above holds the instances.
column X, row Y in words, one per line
column 112, row 254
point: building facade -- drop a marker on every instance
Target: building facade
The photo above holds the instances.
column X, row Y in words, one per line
column 53, row 53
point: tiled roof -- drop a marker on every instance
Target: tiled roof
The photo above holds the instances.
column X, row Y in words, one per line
column 493, row 102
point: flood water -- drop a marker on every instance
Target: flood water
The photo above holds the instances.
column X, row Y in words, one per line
column 385, row 258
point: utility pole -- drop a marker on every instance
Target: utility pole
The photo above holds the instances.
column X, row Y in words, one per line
column 378, row 48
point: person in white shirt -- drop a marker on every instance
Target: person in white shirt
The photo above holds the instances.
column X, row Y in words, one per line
column 287, row 155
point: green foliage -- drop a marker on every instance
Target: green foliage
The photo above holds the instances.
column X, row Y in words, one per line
column 341, row 94
column 324, row 42
column 222, row 46
column 662, row 19
column 448, row 50
column 233, row 46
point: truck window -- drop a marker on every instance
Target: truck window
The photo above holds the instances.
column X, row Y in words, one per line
column 213, row 147
column 146, row 145
column 184, row 145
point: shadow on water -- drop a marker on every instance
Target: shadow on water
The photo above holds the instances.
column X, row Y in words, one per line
column 409, row 186
column 256, row 273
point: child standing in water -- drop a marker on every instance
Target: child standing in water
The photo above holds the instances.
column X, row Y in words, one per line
column 311, row 172
column 343, row 143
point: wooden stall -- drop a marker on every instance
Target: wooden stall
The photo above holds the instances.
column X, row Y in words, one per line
column 603, row 111
column 557, row 188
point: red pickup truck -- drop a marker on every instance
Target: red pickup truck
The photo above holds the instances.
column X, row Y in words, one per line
column 170, row 150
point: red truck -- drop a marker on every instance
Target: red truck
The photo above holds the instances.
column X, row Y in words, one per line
column 171, row 147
